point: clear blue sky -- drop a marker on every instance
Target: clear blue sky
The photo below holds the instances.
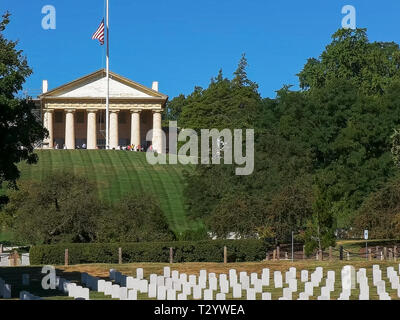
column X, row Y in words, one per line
column 183, row 43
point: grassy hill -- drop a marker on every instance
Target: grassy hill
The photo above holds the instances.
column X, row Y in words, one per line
column 117, row 173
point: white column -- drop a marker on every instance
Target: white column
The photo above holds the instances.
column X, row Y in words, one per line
column 48, row 124
column 91, row 138
column 157, row 132
column 135, row 127
column 70, row 128
column 114, row 129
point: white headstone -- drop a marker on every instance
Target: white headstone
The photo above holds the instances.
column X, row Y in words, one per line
column 115, row 291
column 220, row 296
column 278, row 279
column 304, row 275
column 123, row 293
column 208, row 294
column 193, row 279
column 132, row 294
column 266, row 296
column 265, row 277
column 161, row 293
column 139, row 273
column 171, row 294
column 152, row 290
column 237, row 291
column 287, row 293
column 100, row 285
column 197, row 292
column 251, row 294
column 182, row 296
column 167, row 272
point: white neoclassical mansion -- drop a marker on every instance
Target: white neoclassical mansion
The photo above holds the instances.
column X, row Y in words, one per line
column 74, row 113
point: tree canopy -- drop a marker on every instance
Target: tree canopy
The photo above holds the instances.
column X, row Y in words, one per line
column 19, row 129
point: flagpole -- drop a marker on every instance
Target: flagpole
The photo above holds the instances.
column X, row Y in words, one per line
column 108, row 85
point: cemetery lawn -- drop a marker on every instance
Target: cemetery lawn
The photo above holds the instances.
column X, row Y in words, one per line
column 117, row 173
column 73, row 273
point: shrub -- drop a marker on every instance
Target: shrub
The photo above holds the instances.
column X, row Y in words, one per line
column 184, row 251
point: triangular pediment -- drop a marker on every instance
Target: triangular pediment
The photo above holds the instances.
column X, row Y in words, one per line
column 94, row 85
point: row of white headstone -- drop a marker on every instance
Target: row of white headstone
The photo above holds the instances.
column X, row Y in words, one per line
column 5, row 289
column 172, row 285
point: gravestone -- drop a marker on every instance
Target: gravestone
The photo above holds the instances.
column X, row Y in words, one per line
column 251, row 294
column 171, row 294
column 212, row 283
column 186, row 289
column 167, row 272
column 253, row 278
column 325, row 292
column 139, row 273
column 237, row 291
column 177, row 285
column 278, row 279
column 169, row 282
column 152, row 290
column 115, row 291
column 203, row 273
column 303, row 296
column 220, row 296
column 287, row 293
column 197, row 292
column 153, row 278
column 293, row 285
column 266, row 296
column 224, row 286
column 208, row 294
column 143, row 286
column 258, row 286
column 265, row 277
column 309, row 288
column 100, row 285
column 193, row 279
column 108, row 288
column 182, row 296
column 161, row 293
column 161, row 280
column 304, row 275
column 84, row 293
column 123, row 293
column 183, row 277
column 132, row 294
column 175, row 275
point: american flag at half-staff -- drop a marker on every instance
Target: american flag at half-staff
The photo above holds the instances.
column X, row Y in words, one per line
column 99, row 34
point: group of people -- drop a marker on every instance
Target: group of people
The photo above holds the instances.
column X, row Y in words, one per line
column 130, row 147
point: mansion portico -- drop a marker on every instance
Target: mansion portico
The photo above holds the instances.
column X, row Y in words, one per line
column 74, row 113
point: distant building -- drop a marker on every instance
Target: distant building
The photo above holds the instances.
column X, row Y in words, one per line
column 74, row 113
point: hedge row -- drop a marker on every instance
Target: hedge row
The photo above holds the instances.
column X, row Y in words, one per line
column 184, row 251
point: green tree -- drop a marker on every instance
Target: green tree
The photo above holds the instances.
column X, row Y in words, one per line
column 369, row 66
column 320, row 231
column 62, row 207
column 136, row 217
column 19, row 129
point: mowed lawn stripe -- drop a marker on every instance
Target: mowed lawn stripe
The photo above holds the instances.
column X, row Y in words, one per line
column 163, row 194
column 131, row 173
column 121, row 178
column 116, row 173
column 173, row 189
column 108, row 175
